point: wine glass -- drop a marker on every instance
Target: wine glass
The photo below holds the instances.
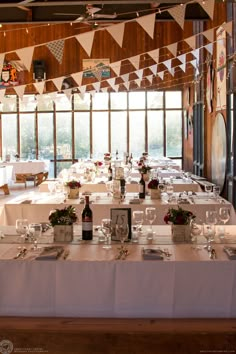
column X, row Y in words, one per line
column 150, row 213
column 169, row 191
column 35, row 231
column 216, row 192
column 208, row 189
column 138, row 217
column 196, row 227
column 224, row 216
column 211, row 217
column 209, row 234
column 122, row 232
column 22, row 228
column 106, row 228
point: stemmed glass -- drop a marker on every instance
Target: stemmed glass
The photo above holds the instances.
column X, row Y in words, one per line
column 224, row 216
column 211, row 217
column 22, row 227
column 169, row 191
column 208, row 189
column 196, row 227
column 138, row 217
column 150, row 216
column 209, row 234
column 122, row 232
column 106, row 228
column 35, row 231
column 216, row 192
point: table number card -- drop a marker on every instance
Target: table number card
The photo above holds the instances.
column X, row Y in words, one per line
column 120, row 216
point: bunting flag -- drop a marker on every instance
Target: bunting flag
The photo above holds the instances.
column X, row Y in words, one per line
column 161, row 75
column 83, row 89
column 81, row 95
column 139, row 73
column 58, row 82
column 86, row 41
column 111, row 82
column 2, row 56
column 57, row 49
column 183, row 67
column 2, row 94
column 195, row 53
column 178, row 14
column 97, row 86
column 209, row 34
column 68, row 93
column 149, row 78
column 125, row 77
column 154, row 54
column 153, row 69
column 138, row 82
column 78, row 77
column 104, row 89
column 39, row 86
column 117, row 32
column 194, row 63
column 116, row 67
column 182, row 58
column 92, row 93
column 208, row 6
column 126, row 84
column 20, row 90
column 97, row 72
column 209, row 48
column 116, row 88
column 148, row 23
column 25, row 56
column 172, row 48
column 167, row 64
column 135, row 61
column 191, row 41
column 228, row 27
column 172, row 71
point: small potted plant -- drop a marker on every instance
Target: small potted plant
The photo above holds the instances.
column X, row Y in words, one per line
column 73, row 189
column 153, row 186
column 180, row 220
column 62, row 221
column 144, row 170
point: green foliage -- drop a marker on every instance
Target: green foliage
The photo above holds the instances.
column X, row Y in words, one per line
column 178, row 216
column 66, row 216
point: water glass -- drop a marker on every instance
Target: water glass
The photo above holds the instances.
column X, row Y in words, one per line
column 138, row 218
column 150, row 216
column 211, row 217
column 216, row 192
column 22, row 228
column 122, row 232
column 106, row 228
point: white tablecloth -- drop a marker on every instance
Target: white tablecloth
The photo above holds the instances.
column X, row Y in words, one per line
column 23, row 167
column 90, row 283
column 6, row 175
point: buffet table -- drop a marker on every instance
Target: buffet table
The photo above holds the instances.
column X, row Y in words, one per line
column 91, row 283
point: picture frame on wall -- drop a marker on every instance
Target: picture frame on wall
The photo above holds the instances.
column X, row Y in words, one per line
column 120, row 216
column 98, row 68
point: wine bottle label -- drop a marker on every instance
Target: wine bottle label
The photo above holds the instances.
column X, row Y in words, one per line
column 141, row 188
column 87, row 226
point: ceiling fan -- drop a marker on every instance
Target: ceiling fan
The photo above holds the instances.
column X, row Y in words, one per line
column 90, row 14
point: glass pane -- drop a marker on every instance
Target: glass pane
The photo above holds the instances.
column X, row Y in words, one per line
column 45, row 136
column 118, row 100
column 155, row 134
column 100, row 134
column 137, row 100
column 9, row 103
column 82, row 135
column 62, row 103
column 44, row 103
column 62, row 165
column 174, row 133
column 118, row 133
column 173, row 99
column 82, row 104
column 63, row 135
column 28, row 103
column 27, row 136
column 100, row 100
column 9, row 135
column 155, row 99
column 137, row 133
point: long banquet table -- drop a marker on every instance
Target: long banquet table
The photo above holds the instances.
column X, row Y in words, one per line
column 36, row 206
column 91, row 283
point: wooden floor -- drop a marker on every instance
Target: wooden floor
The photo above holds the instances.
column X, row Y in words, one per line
column 116, row 336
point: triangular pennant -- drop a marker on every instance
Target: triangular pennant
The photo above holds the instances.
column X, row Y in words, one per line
column 116, row 67
column 78, row 77
column 57, row 49
column 25, row 56
column 154, row 54
column 68, row 93
column 209, row 34
column 196, row 72
column 2, row 94
column 148, row 23
column 83, row 89
column 167, row 63
column 183, row 67
column 117, row 32
column 97, row 72
column 39, row 86
column 208, row 6
column 153, row 69
column 182, row 58
column 139, row 73
column 92, row 93
column 126, row 84
column 125, row 77
column 58, row 82
column 104, row 89
column 20, row 90
column 138, row 82
column 2, row 56
column 191, row 41
column 111, row 82
column 228, row 27
column 209, row 48
column 172, row 48
column 195, row 53
column 172, row 71
column 81, row 95
column 149, row 78
column 194, row 63
column 161, row 74
column 178, row 14
column 86, row 41
column 97, row 85
column 135, row 61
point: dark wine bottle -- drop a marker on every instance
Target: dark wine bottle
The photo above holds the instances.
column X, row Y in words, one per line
column 87, row 221
column 117, row 155
column 110, row 173
column 142, row 188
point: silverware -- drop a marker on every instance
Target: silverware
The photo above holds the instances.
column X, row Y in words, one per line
column 212, row 254
column 21, row 254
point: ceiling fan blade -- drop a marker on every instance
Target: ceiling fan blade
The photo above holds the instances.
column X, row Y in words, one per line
column 105, row 16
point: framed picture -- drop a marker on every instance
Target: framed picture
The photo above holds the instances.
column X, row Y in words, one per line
column 120, row 216
column 98, row 68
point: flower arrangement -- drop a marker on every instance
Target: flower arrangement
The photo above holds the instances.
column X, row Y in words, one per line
column 66, row 216
column 143, row 169
column 178, row 216
column 98, row 163
column 153, row 184
column 107, row 156
column 73, row 184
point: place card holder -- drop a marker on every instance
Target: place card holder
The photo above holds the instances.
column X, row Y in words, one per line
column 120, row 216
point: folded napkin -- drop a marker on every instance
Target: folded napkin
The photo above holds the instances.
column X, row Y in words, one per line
column 152, row 254
column 27, row 201
column 231, row 252
column 50, row 253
